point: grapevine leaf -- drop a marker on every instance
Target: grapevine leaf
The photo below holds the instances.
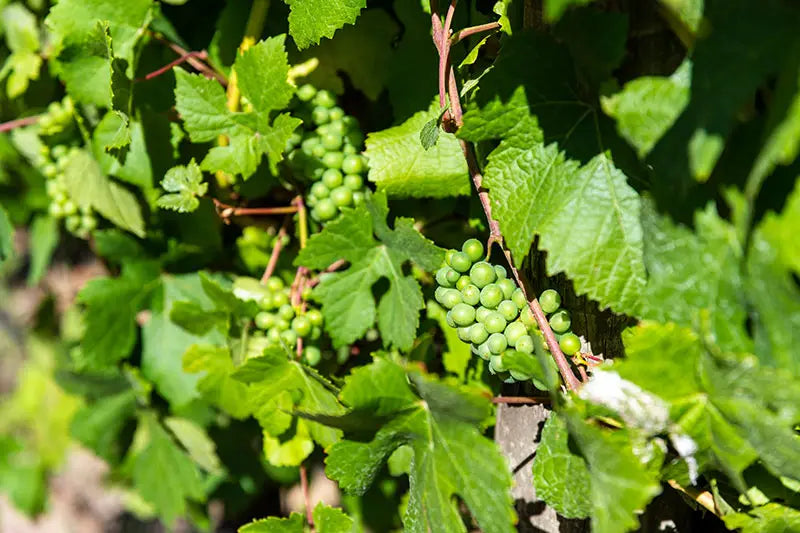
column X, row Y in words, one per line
column 311, row 20
column 347, row 301
column 98, row 425
column 43, row 241
column 196, row 441
column 185, row 183
column 22, row 38
column 560, row 476
column 111, row 307
column 6, row 236
column 162, row 473
column 441, row 426
column 202, row 105
column 769, row 518
column 401, row 166
column 135, row 168
column 118, row 126
column 331, row 520
column 217, row 384
column 429, row 133
column 293, row 524
column 554, row 9
column 261, row 72
column 689, row 12
column 89, row 187
column 458, row 354
column 646, row 107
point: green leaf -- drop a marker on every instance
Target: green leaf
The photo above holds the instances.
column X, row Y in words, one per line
column 553, row 9
column 185, row 183
column 89, row 187
column 6, row 236
column 162, row 473
column 347, row 301
column 196, row 441
column 646, row 107
column 202, row 105
column 441, row 426
column 402, row 167
column 310, row 20
column 118, row 126
column 43, row 241
column 769, row 518
column 22, row 38
column 261, row 72
column 429, row 133
column 132, row 163
column 560, row 476
column 458, row 354
column 97, row 425
column 111, row 308
column 331, row 520
column 293, row 524
column 217, row 383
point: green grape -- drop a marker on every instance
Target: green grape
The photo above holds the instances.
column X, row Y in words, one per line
column 491, row 296
column 332, row 178
column 331, row 141
column 463, row 314
column 342, row 196
column 500, row 271
column 514, row 331
column 451, row 298
column 318, row 151
column 570, row 344
column 295, row 139
column 279, row 299
column 448, row 256
column 482, row 274
column 59, row 151
column 305, row 294
column 483, row 351
column 349, row 149
column 471, row 294
column 308, row 145
column 478, row 334
column 316, row 333
column 353, row 164
column 282, row 324
column 463, row 333
column 73, row 223
column 494, row 322
column 518, row 297
column 320, row 115
column 495, row 359
column 336, row 113
column 315, row 316
column 358, row 197
column 463, row 281
column 449, row 319
column 289, row 337
column 325, row 99
column 473, row 248
column 69, row 208
column 52, row 187
column 312, row 355
column 50, row 170
column 286, row 312
column 438, row 294
column 508, row 309
column 306, row 93
column 481, row 313
column 550, row 301
column 264, row 320
column 560, row 321
column 60, row 198
column 353, row 182
column 55, row 210
column 444, row 278
column 326, row 209
column 301, row 325
column 335, row 127
column 274, row 335
column 460, row 262
column 333, row 159
column 525, row 344
column 527, row 317
column 275, row 284
column 497, row 343
column 507, row 286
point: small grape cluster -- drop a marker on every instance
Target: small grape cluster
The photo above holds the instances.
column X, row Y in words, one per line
column 489, row 311
column 278, row 323
column 327, row 151
column 58, row 117
column 51, row 163
column 255, row 246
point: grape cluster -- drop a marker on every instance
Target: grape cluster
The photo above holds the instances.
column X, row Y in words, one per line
column 278, row 323
column 51, row 163
column 58, row 117
column 255, row 246
column 327, row 151
column 489, row 311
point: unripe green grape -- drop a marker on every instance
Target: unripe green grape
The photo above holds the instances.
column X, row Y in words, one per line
column 463, row 333
column 69, row 208
column 315, row 316
column 264, row 320
column 275, row 284
column 508, row 309
column 279, row 299
column 308, row 144
column 478, row 334
column 524, row 344
column 50, row 170
column 448, row 256
column 438, row 294
column 451, row 298
column 570, row 343
column 274, row 335
column 336, row 127
column 353, row 164
column 550, row 301
column 494, row 322
column 471, row 294
column 320, row 115
column 58, row 151
column 342, row 196
column 483, row 351
column 358, row 197
column 463, row 314
column 527, row 317
column 318, row 151
column 295, row 139
column 73, row 223
column 353, row 182
column 497, row 343
column 316, row 333
column 460, row 262
column 500, row 271
column 312, row 355
column 60, row 197
column 55, row 210
column 301, row 325
column 463, row 281
column 491, row 296
column 336, row 113
column 265, row 301
column 289, row 337
column 481, row 313
column 518, row 297
column 286, row 312
column 306, row 93
column 348, row 149
column 331, row 178
column 441, row 277
column 88, row 223
column 473, row 248
column 482, row 274
column 560, row 321
column 507, row 286
column 453, row 277
column 52, row 187
column 331, row 141
column 333, row 159
column 325, row 99
column 282, row 324
column 305, row 294
column 449, row 319
column 514, row 331
column 326, row 209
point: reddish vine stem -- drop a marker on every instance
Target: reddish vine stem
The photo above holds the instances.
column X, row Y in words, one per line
column 273, row 257
column 198, row 65
column 226, row 211
column 306, row 495
column 442, row 41
column 172, row 64
column 519, row 400
column 336, row 265
column 18, row 123
column 460, row 35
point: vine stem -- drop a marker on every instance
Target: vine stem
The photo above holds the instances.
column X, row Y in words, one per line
column 226, row 211
column 460, row 35
column 202, row 54
column 19, row 123
column 306, row 495
column 198, row 65
column 519, row 400
column 273, row 257
column 441, row 38
column 301, row 276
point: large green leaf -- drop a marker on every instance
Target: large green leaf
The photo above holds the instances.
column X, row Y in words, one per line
column 311, row 20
